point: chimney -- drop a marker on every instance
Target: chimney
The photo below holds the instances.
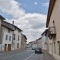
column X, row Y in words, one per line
column 13, row 22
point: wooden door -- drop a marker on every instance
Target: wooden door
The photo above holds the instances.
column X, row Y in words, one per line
column 5, row 48
column 9, row 47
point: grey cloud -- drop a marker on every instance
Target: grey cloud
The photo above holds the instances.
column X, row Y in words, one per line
column 37, row 24
column 32, row 24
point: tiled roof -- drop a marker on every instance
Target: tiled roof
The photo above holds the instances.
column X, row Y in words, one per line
column 8, row 25
column 1, row 17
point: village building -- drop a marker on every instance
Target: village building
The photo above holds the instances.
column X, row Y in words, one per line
column 7, row 30
column 10, row 36
column 23, row 41
column 52, row 23
column 45, row 40
column 39, row 42
column 16, row 38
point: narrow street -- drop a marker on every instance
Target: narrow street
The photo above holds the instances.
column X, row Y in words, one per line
column 29, row 30
column 24, row 55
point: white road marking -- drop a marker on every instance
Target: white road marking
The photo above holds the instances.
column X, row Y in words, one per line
column 29, row 57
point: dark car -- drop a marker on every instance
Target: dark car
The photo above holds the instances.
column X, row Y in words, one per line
column 33, row 48
column 38, row 50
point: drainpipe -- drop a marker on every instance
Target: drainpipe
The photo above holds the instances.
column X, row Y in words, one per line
column 13, row 37
column 0, row 35
column 52, row 46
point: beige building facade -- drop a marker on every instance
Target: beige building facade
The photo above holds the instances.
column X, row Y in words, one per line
column 53, row 22
column 23, row 42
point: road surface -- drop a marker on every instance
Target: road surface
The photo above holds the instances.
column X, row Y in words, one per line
column 18, row 55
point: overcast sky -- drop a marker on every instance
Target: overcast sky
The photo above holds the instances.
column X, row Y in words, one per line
column 28, row 15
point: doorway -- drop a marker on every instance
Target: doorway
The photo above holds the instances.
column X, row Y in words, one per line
column 9, row 47
column 5, row 48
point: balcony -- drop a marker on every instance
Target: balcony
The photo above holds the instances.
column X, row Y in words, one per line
column 52, row 31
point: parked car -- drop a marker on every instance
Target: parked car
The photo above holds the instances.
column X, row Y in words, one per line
column 33, row 48
column 38, row 50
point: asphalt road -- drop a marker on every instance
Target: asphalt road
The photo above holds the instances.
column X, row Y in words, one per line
column 18, row 55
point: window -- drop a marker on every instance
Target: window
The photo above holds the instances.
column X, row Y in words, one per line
column 14, row 36
column 54, row 48
column 6, row 37
column 18, row 37
column 9, row 38
column 15, row 28
column 17, row 45
column 53, row 22
column 59, row 47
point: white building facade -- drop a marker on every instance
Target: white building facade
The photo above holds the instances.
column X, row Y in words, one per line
column 39, row 42
column 17, row 38
column 10, row 36
column 7, row 36
column 45, row 41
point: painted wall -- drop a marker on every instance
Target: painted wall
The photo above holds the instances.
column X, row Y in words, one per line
column 55, row 16
column 15, row 42
column 23, row 43
column 4, row 41
column 44, row 42
column 39, row 43
column 17, row 33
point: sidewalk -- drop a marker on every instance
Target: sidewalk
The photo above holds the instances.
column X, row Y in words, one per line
column 47, row 56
